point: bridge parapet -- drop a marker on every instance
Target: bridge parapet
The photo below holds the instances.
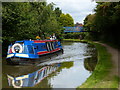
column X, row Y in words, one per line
column 73, row 29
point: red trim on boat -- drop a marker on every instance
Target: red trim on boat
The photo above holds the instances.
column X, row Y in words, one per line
column 10, row 51
column 43, row 41
column 45, row 52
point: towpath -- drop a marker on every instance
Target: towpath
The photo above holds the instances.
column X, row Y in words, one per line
column 115, row 60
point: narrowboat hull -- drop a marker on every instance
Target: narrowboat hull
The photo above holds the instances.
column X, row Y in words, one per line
column 30, row 50
column 15, row 60
column 19, row 60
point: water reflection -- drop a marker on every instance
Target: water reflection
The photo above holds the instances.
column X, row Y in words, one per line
column 70, row 77
column 90, row 63
column 66, row 65
column 32, row 79
column 67, row 70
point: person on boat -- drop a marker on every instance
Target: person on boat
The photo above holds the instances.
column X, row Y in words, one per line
column 48, row 38
column 53, row 37
column 37, row 37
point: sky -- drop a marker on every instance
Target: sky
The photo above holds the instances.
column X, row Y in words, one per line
column 78, row 9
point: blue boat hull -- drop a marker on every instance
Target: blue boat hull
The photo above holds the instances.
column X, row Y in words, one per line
column 20, row 60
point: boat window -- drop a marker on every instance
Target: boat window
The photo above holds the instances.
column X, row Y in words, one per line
column 30, row 49
column 36, row 47
column 39, row 47
column 48, row 46
column 25, row 49
column 43, row 47
column 56, row 44
column 52, row 45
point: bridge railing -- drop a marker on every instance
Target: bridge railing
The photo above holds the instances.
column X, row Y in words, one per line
column 73, row 29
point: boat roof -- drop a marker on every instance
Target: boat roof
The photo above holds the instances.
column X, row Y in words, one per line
column 36, row 41
column 42, row 41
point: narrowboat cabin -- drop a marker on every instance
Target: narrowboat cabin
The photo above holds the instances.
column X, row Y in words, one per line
column 31, row 49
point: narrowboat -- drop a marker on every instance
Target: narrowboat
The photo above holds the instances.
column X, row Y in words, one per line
column 31, row 49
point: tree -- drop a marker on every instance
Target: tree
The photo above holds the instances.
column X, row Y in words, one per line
column 66, row 20
column 58, row 12
column 88, row 22
column 26, row 20
column 105, row 21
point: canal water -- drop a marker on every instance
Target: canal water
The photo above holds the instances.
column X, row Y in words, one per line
column 67, row 69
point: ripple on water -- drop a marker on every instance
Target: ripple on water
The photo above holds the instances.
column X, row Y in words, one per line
column 75, row 67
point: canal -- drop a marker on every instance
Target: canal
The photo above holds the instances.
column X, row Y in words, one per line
column 67, row 69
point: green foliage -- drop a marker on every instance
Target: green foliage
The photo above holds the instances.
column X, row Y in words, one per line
column 58, row 12
column 66, row 20
column 100, row 77
column 74, row 35
column 26, row 20
column 104, row 24
column 88, row 22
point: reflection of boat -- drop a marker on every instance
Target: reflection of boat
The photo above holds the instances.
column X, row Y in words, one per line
column 31, row 49
column 32, row 79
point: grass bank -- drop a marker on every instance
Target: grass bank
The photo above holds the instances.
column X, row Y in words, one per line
column 101, row 77
column 75, row 40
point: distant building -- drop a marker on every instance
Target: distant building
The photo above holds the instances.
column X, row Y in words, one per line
column 78, row 24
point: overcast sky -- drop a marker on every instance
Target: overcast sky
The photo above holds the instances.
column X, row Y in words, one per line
column 78, row 9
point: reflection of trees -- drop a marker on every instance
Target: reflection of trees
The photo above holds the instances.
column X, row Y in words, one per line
column 66, row 65
column 90, row 63
column 64, row 43
column 45, row 83
column 90, row 50
column 63, row 65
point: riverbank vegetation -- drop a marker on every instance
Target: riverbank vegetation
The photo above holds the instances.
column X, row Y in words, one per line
column 101, row 77
column 103, row 25
column 26, row 20
column 75, row 35
column 76, row 40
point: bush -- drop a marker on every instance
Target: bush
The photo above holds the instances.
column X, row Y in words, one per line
column 80, row 35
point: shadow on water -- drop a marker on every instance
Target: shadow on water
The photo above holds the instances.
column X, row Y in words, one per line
column 67, row 70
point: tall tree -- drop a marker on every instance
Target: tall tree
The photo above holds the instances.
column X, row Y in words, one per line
column 66, row 20
column 105, row 21
column 26, row 20
column 58, row 12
